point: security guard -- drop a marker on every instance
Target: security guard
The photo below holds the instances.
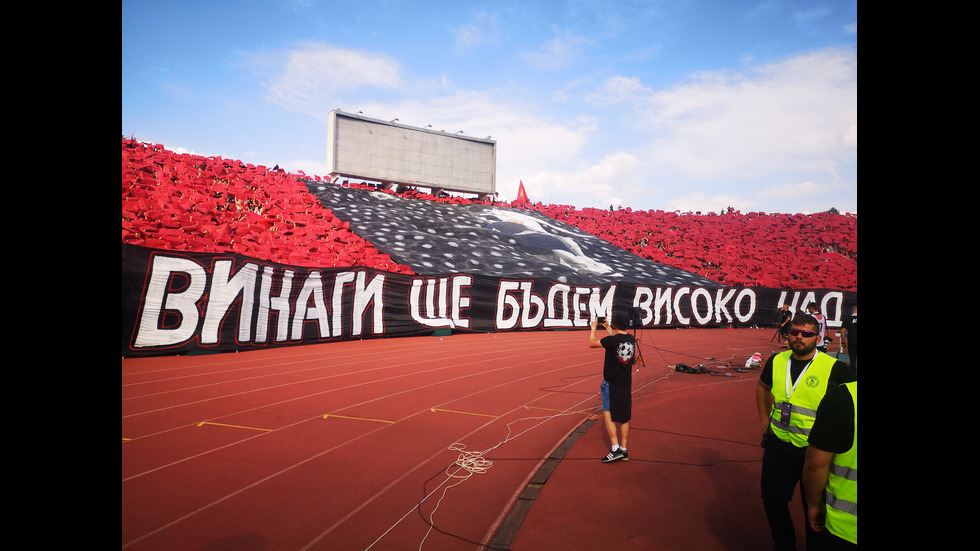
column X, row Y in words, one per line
column 790, row 389
column 831, row 467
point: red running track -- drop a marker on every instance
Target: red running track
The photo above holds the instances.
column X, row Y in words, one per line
column 441, row 443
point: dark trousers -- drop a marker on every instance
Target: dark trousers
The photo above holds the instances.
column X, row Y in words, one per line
column 782, row 472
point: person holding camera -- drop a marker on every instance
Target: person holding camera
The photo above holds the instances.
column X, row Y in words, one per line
column 617, row 380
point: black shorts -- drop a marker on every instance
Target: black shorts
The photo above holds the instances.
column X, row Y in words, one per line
column 620, row 403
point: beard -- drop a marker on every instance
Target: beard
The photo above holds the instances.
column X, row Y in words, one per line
column 801, row 347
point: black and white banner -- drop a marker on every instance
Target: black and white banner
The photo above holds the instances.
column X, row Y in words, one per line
column 179, row 302
column 439, row 238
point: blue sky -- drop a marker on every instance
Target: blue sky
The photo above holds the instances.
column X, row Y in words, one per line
column 686, row 105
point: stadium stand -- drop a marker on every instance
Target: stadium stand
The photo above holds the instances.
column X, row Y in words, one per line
column 210, row 204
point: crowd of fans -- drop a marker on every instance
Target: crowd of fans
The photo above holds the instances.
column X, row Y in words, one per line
column 209, row 204
column 758, row 249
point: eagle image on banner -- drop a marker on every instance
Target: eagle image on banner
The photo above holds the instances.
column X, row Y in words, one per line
column 437, row 239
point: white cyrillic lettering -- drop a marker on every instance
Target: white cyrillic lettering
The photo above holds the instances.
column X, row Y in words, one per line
column 369, row 294
column 224, row 291
column 278, row 304
column 554, row 320
column 312, row 288
column 531, row 302
column 677, row 305
column 722, row 297
column 460, row 301
column 160, row 299
column 744, row 316
column 508, row 309
column 642, row 298
column 701, row 292
column 338, row 300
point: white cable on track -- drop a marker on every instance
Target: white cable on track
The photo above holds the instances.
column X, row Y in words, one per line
column 472, row 462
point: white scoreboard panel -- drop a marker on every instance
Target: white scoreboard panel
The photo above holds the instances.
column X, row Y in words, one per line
column 388, row 152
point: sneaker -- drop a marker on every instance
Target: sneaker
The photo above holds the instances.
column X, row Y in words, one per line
column 613, row 456
column 626, row 456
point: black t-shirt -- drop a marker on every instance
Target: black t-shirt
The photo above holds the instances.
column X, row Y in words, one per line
column 851, row 325
column 617, row 367
column 833, row 428
column 784, row 315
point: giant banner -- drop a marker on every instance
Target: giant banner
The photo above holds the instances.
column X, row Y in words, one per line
column 179, row 302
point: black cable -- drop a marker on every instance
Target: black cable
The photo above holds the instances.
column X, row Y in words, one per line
column 661, row 351
column 418, row 507
column 752, row 444
column 564, row 383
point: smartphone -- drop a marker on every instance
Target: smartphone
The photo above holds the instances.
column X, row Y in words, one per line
column 600, row 320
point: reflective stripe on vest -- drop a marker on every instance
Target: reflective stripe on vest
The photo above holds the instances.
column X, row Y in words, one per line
column 841, row 492
column 802, row 395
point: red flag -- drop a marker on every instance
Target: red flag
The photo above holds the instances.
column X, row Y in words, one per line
column 521, row 194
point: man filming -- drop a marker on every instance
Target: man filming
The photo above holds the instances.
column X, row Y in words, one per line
column 617, row 381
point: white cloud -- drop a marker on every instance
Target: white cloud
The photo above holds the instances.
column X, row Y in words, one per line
column 699, row 202
column 794, row 191
column 314, row 79
column 602, row 184
column 727, row 133
column 483, row 30
column 305, row 79
column 620, row 90
column 724, row 134
column 556, row 53
column 526, row 141
column 851, row 136
column 784, row 116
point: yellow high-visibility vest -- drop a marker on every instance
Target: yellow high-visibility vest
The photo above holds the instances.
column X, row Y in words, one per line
column 842, row 486
column 800, row 397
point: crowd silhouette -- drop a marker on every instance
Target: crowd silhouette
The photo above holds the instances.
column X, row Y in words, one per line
column 194, row 203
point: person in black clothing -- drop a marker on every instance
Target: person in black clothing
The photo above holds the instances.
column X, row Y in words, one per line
column 851, row 336
column 784, row 323
column 785, row 451
column 617, row 381
column 833, row 433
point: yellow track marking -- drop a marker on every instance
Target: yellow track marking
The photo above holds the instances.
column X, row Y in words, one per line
column 357, row 418
column 232, row 426
column 462, row 412
column 554, row 409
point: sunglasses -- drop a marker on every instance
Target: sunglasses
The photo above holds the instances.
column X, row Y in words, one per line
column 806, row 334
